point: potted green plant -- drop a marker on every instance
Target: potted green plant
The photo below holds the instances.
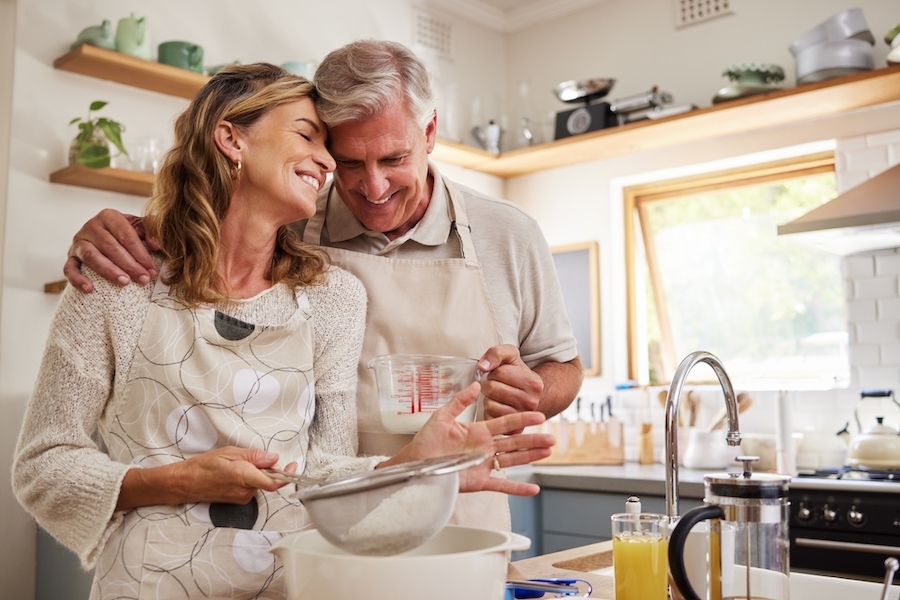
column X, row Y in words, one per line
column 91, row 146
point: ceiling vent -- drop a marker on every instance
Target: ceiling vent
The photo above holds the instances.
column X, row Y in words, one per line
column 433, row 34
column 688, row 12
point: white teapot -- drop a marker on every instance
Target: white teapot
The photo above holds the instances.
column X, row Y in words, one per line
column 876, row 446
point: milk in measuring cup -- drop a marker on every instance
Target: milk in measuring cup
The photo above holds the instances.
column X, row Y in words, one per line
column 411, row 387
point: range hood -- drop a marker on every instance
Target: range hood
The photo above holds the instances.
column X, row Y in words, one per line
column 866, row 217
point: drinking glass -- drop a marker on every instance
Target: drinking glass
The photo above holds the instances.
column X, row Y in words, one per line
column 640, row 556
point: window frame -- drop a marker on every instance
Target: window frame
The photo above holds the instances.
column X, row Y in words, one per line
column 635, row 200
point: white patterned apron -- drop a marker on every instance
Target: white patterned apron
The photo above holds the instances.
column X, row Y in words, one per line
column 202, row 380
column 420, row 307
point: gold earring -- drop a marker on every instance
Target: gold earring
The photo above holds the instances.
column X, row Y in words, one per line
column 237, row 170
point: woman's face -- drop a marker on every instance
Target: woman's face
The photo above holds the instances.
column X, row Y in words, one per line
column 284, row 163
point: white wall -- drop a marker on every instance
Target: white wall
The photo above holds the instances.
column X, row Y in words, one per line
column 17, row 558
column 871, row 279
column 636, row 42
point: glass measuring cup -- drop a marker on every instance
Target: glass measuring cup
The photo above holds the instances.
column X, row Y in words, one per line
column 412, row 386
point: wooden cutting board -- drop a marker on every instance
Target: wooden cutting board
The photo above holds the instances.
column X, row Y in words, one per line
column 575, row 563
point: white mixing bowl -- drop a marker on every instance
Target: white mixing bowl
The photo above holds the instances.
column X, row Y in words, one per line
column 459, row 562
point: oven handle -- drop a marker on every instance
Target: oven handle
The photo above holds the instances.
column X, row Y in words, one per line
column 851, row 546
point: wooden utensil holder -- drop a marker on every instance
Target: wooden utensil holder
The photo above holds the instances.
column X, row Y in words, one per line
column 596, row 444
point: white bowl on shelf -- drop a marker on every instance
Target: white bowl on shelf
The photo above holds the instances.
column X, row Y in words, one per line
column 833, row 59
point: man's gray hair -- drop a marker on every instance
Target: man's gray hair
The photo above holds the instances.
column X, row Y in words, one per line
column 366, row 77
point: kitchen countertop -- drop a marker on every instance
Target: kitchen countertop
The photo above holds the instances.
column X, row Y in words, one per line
column 630, row 478
column 575, row 564
column 572, row 564
column 650, row 480
column 593, row 562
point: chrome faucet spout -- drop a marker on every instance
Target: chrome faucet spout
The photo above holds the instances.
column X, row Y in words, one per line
column 732, row 436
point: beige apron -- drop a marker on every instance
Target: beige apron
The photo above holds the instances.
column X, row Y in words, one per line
column 420, row 307
column 202, row 380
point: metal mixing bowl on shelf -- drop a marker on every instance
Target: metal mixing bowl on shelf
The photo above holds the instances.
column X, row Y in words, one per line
column 387, row 511
column 584, row 90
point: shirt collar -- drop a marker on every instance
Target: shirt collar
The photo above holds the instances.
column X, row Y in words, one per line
column 432, row 230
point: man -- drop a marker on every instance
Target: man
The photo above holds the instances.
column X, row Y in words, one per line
column 447, row 270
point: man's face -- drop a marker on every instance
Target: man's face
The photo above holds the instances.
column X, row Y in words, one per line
column 382, row 169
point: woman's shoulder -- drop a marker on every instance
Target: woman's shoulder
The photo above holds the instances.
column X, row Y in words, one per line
column 339, row 288
column 105, row 289
column 341, row 281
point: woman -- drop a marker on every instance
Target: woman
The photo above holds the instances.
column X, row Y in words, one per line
column 241, row 356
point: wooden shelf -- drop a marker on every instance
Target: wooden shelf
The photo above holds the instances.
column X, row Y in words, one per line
column 136, row 183
column 130, row 70
column 781, row 107
column 55, row 287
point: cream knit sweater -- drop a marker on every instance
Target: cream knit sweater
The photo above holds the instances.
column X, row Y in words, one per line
column 61, row 474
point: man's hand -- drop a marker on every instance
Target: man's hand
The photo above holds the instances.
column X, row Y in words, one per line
column 112, row 245
column 509, row 385
column 442, row 435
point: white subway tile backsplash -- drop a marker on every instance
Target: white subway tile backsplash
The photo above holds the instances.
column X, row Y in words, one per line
column 850, row 179
column 862, row 310
column 883, row 138
column 875, row 287
column 887, row 263
column 867, row 158
column 894, row 154
column 864, row 354
column 889, row 309
column 890, row 353
column 850, row 144
column 859, row 265
column 878, row 331
column 879, row 377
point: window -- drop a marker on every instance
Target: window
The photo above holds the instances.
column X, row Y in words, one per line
column 707, row 271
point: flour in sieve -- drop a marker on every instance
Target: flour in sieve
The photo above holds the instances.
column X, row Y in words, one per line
column 402, row 521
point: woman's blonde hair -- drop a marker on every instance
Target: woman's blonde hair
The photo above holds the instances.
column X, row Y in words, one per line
column 193, row 188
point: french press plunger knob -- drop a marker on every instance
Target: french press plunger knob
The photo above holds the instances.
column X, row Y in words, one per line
column 747, row 461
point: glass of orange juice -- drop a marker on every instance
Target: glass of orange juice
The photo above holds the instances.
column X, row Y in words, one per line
column 640, row 556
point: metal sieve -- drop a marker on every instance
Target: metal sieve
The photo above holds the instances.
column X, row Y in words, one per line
column 387, row 511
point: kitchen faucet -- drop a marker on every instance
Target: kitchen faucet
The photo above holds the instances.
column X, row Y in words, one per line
column 733, row 436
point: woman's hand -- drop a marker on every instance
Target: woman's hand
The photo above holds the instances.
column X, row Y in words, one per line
column 230, row 475
column 442, row 435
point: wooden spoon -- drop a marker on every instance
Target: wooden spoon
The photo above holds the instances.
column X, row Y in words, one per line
column 744, row 401
column 687, row 408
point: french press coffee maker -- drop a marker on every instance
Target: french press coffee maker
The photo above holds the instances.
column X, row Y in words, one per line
column 756, row 505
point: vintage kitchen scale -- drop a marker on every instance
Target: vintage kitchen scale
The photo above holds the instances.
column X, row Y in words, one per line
column 589, row 117
column 600, row 115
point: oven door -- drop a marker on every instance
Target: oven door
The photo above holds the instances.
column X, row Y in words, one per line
column 853, row 554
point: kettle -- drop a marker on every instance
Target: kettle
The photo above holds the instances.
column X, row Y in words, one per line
column 96, row 35
column 876, row 446
column 756, row 506
column 133, row 38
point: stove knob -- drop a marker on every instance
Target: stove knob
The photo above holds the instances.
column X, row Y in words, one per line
column 803, row 513
column 829, row 515
column 855, row 517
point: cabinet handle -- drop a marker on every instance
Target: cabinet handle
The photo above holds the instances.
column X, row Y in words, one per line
column 850, row 546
